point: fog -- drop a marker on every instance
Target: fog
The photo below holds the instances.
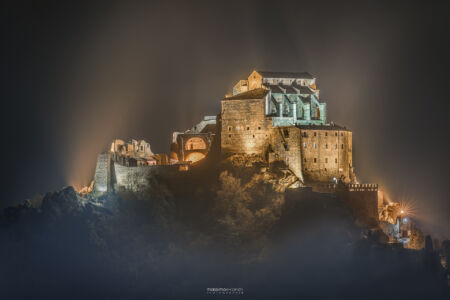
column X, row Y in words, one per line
column 79, row 75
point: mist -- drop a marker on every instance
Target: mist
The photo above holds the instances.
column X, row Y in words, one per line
column 79, row 75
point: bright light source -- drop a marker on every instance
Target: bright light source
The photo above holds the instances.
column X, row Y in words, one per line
column 402, row 211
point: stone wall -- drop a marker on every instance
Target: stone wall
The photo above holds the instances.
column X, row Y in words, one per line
column 131, row 178
column 285, row 146
column 326, row 153
column 245, row 128
column 363, row 200
column 102, row 175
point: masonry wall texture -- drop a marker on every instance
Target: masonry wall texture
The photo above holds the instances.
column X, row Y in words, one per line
column 137, row 178
column 102, row 173
column 244, row 127
column 326, row 153
column 285, row 146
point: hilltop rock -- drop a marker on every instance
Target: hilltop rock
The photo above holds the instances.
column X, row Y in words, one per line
column 65, row 201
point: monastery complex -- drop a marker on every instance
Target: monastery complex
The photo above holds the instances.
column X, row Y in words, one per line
column 276, row 116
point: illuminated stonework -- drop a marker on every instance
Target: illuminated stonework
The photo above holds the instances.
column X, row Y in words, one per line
column 278, row 116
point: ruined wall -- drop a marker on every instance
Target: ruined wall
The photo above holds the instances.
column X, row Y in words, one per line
column 137, row 178
column 285, row 144
column 102, row 175
column 326, row 153
column 131, row 178
column 245, row 128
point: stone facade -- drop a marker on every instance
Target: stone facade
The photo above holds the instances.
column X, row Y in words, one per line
column 285, row 146
column 102, row 177
column 326, row 153
column 244, row 126
column 194, row 144
column 278, row 116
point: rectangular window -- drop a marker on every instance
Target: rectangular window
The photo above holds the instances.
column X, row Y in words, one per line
column 259, row 127
column 342, row 134
column 335, row 133
column 326, row 133
column 335, row 160
column 248, row 128
column 229, row 135
column 304, row 134
column 315, row 159
column 315, row 133
column 326, row 160
column 335, row 147
column 326, row 146
column 342, row 146
column 315, row 145
column 229, row 128
column 304, row 145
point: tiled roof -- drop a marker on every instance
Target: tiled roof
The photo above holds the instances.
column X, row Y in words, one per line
column 331, row 126
column 253, row 94
column 290, row 89
column 297, row 75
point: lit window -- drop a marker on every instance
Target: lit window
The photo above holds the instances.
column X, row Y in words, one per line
column 315, row 145
column 304, row 145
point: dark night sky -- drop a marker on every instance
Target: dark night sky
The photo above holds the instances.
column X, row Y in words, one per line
column 78, row 75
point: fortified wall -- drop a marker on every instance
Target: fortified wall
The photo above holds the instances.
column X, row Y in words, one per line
column 275, row 115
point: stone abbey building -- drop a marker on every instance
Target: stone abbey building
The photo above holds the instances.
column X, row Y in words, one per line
column 275, row 115
column 278, row 115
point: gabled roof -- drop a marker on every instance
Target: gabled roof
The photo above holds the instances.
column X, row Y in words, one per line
column 296, row 75
column 305, row 90
column 252, row 94
column 289, row 89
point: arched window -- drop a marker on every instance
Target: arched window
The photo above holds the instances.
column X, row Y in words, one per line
column 195, row 143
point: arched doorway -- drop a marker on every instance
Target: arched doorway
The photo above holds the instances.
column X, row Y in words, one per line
column 195, row 156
